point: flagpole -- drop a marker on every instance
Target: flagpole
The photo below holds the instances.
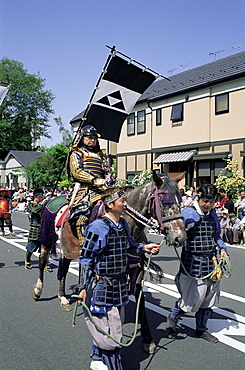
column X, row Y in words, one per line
column 96, row 87
column 135, row 61
column 86, row 110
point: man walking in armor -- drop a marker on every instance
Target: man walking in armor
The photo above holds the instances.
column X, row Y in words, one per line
column 5, row 211
column 107, row 241
column 198, row 294
column 35, row 210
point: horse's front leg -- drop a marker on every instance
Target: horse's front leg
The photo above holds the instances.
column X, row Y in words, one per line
column 43, row 260
column 64, row 264
column 149, row 345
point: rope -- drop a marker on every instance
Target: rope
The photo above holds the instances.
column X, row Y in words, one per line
column 136, row 314
column 224, row 264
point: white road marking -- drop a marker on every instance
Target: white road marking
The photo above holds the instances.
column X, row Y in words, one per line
column 221, row 328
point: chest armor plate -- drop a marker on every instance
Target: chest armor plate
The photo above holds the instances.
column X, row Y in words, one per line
column 113, row 259
column 200, row 246
column 200, row 238
column 111, row 288
column 93, row 163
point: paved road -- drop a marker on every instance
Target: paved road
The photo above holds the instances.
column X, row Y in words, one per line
column 38, row 335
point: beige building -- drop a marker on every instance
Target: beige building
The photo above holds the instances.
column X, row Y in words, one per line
column 188, row 124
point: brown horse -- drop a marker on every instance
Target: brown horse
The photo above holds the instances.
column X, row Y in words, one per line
column 158, row 199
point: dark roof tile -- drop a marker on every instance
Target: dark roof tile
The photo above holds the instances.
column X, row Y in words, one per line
column 217, row 71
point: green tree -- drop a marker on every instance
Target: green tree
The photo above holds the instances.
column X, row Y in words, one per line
column 48, row 168
column 25, row 110
column 67, row 136
column 230, row 179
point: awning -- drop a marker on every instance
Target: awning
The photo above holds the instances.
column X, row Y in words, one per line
column 174, row 157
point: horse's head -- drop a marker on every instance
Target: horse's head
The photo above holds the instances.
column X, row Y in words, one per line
column 160, row 199
column 164, row 206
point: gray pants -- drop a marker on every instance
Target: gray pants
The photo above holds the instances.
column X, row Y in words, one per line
column 196, row 294
column 109, row 322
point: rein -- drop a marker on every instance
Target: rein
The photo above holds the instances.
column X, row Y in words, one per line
column 224, row 264
column 152, row 223
column 136, row 313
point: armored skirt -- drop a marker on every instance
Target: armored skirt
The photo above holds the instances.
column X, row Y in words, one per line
column 203, row 241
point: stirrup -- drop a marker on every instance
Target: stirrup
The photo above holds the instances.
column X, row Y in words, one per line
column 28, row 266
column 48, row 269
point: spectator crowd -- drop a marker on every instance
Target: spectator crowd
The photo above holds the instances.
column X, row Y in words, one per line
column 231, row 215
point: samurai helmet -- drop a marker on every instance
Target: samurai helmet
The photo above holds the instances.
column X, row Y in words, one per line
column 85, row 131
column 89, row 131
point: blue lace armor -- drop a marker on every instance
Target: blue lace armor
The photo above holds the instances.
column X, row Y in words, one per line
column 105, row 254
column 200, row 247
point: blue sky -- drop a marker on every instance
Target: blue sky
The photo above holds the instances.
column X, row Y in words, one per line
column 66, row 40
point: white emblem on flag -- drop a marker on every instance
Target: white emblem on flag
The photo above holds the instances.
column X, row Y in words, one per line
column 113, row 96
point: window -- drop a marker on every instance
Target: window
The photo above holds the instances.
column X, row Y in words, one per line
column 177, row 112
column 141, row 122
column 222, row 103
column 158, row 117
column 204, row 169
column 204, row 173
column 131, row 124
column 130, row 178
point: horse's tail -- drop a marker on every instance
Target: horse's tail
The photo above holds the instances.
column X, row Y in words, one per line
column 155, row 271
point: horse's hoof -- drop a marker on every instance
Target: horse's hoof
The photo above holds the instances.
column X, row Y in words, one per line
column 35, row 296
column 36, row 293
column 65, row 305
column 150, row 347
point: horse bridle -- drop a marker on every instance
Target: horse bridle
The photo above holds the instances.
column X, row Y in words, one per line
column 152, row 223
column 155, row 198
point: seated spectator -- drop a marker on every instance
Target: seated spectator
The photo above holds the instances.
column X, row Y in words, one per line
column 229, row 205
column 188, row 198
column 233, row 230
column 219, row 214
column 223, row 223
column 240, row 204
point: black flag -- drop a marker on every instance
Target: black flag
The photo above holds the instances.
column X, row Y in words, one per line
column 119, row 89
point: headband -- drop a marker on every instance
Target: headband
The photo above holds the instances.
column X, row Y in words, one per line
column 207, row 196
column 114, row 196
